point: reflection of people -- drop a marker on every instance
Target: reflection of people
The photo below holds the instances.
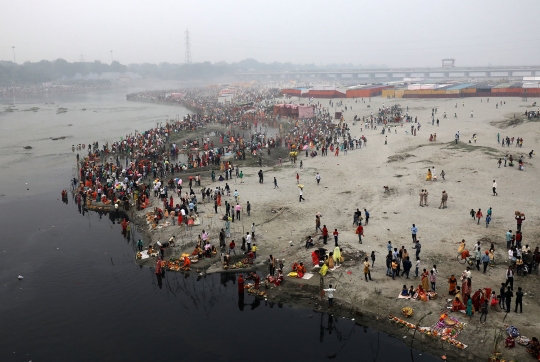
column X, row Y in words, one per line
column 241, row 284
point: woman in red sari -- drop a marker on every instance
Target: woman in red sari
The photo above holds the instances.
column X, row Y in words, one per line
column 478, row 299
column 457, row 305
column 171, row 202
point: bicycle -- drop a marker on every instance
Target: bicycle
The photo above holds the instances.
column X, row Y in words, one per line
column 465, row 257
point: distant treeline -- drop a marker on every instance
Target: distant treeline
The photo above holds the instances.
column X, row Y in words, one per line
column 60, row 69
column 46, row 71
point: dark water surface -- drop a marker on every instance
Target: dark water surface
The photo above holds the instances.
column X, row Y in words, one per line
column 83, row 297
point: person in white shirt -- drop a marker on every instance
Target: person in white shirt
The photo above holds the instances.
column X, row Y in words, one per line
column 248, row 241
column 330, row 294
column 495, row 188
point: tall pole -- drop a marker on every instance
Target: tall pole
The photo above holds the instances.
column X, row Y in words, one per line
column 13, row 54
column 111, row 56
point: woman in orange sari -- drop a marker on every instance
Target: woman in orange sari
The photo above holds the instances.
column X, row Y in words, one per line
column 452, row 284
column 219, row 199
column 425, row 280
column 421, row 293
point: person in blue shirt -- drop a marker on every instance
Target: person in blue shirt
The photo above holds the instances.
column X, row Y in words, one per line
column 485, row 260
column 414, row 230
column 367, row 215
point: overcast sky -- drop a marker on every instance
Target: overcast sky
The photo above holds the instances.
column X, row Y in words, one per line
column 393, row 32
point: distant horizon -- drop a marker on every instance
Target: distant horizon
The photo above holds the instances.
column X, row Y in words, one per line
column 321, row 66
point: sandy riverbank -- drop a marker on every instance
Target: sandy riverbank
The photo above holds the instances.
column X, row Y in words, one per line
column 356, row 180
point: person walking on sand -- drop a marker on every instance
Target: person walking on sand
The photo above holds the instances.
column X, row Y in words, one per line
column 444, row 198
column 275, row 184
column 318, row 178
column 479, row 215
column 301, row 195
column 495, row 188
column 297, row 178
column 373, row 258
column 499, row 162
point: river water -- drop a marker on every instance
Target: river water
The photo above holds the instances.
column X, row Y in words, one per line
column 83, row 297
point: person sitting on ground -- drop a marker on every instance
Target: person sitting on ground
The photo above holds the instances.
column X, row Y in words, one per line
column 150, row 250
column 208, row 249
column 457, row 305
column 187, row 263
column 214, row 250
column 301, row 270
column 309, row 242
column 534, row 347
column 421, row 294
column 405, row 291
column 412, row 293
column 509, row 342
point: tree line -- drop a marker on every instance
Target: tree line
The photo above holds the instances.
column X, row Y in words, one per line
column 60, row 69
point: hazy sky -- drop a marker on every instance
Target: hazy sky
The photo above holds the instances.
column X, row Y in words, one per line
column 393, row 32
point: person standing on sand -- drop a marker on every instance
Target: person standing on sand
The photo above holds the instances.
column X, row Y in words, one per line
column 373, row 258
column 248, row 208
column 325, row 234
column 367, row 272
column 297, row 178
column 495, row 188
column 426, row 193
column 360, row 233
column 367, row 215
column 421, row 194
column 444, row 198
column 317, row 223
column 418, row 248
column 330, row 294
column 336, row 234
column 414, row 230
column 275, row 183
column 318, row 178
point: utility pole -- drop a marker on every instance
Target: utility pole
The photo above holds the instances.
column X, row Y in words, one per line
column 188, row 48
column 14, row 55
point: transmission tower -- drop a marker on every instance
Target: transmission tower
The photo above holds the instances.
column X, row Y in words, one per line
column 188, row 48
column 81, row 58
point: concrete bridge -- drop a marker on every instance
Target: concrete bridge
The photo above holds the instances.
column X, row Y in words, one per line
column 374, row 75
